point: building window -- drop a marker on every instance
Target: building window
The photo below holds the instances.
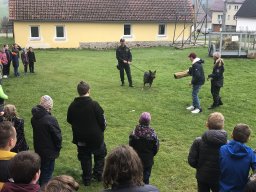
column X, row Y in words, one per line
column 60, row 32
column 234, row 18
column 236, row 7
column 127, row 29
column 219, row 17
column 34, row 32
column 161, row 29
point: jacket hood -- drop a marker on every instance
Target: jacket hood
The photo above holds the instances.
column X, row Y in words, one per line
column 237, row 150
column 83, row 98
column 10, row 187
column 215, row 137
column 6, row 155
column 39, row 111
column 197, row 60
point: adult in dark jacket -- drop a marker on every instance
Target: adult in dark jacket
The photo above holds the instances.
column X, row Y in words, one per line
column 204, row 154
column 15, row 58
column 198, row 79
column 6, row 68
column 124, row 58
column 32, row 59
column 216, row 80
column 88, row 124
column 144, row 141
column 47, row 137
column 123, row 172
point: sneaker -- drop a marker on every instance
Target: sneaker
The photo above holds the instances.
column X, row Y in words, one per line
column 5, row 76
column 190, row 108
column 196, row 111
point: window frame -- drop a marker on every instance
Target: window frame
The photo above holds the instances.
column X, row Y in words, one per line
column 30, row 31
column 130, row 35
column 64, row 32
column 165, row 29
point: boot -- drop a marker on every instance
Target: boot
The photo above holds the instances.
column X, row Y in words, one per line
column 220, row 102
column 2, row 94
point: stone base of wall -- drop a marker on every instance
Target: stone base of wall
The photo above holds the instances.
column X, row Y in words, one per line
column 111, row 45
column 251, row 54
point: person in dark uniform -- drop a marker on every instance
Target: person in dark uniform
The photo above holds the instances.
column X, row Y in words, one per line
column 216, row 80
column 124, row 57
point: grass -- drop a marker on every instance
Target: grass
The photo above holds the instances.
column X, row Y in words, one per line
column 59, row 71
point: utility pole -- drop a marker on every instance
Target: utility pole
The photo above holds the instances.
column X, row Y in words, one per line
column 223, row 26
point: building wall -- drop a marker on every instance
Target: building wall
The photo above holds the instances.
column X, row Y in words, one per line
column 232, row 9
column 76, row 33
column 246, row 24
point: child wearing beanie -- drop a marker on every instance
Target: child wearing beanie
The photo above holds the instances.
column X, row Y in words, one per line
column 144, row 141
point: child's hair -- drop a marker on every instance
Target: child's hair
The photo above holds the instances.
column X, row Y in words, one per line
column 10, row 111
column 123, row 165
column 215, row 121
column 83, row 88
column 7, row 131
column 241, row 133
column 250, row 186
column 24, row 166
column 63, row 183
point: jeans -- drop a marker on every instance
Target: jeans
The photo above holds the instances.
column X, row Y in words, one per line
column 215, row 90
column 195, row 91
column 85, row 158
column 127, row 69
column 31, row 67
column 146, row 174
column 15, row 64
column 47, row 168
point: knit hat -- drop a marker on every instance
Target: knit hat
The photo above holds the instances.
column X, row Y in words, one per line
column 145, row 118
column 46, row 102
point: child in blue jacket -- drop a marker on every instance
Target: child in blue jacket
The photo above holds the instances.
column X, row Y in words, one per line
column 236, row 160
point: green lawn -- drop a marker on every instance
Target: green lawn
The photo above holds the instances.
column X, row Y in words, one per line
column 59, row 71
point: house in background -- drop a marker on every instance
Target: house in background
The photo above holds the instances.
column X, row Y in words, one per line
column 99, row 23
column 231, row 7
column 217, row 9
column 246, row 17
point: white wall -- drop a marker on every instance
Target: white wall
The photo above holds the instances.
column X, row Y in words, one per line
column 246, row 24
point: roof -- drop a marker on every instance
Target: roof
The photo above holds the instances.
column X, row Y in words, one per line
column 218, row 5
column 100, row 10
column 247, row 9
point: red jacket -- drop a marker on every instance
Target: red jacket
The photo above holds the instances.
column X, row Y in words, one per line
column 3, row 58
column 15, row 187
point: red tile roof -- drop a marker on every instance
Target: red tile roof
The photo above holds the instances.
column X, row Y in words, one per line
column 100, row 10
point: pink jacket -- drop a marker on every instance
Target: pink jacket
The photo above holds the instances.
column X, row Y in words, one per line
column 3, row 58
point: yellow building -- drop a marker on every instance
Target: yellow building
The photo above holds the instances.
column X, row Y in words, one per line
column 99, row 23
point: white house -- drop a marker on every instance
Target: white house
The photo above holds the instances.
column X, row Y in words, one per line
column 246, row 16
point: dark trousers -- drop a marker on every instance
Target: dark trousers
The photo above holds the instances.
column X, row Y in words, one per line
column 31, row 67
column 16, row 67
column 206, row 187
column 85, row 158
column 25, row 67
column 47, row 168
column 6, row 69
column 215, row 90
column 125, row 67
column 146, row 174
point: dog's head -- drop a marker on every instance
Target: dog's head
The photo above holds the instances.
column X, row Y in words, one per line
column 152, row 74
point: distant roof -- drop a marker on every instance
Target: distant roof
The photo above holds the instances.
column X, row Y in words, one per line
column 248, row 9
column 218, row 5
column 100, row 10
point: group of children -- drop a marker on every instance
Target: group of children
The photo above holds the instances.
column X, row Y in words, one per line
column 222, row 165
column 12, row 56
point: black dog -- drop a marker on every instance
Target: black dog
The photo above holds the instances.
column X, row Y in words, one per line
column 149, row 77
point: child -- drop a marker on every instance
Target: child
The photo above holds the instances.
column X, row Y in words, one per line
column 6, row 68
column 7, row 142
column 32, row 59
column 3, row 61
column 145, row 142
column 10, row 114
column 204, row 153
column 25, row 172
column 46, row 136
column 236, row 159
column 24, row 58
column 15, row 59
